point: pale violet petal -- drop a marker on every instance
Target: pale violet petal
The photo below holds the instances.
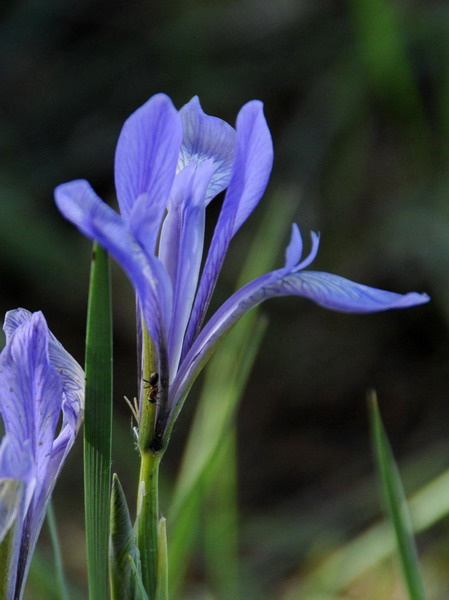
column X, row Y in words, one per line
column 251, row 171
column 190, row 255
column 13, row 319
column 79, row 204
column 207, row 138
column 294, row 249
column 340, row 294
column 313, row 252
column 145, row 220
column 36, row 379
column 147, row 153
column 171, row 228
column 325, row 289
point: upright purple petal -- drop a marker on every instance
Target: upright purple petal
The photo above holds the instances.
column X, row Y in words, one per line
column 189, row 258
column 207, row 138
column 147, row 154
column 251, row 171
column 171, row 228
column 293, row 252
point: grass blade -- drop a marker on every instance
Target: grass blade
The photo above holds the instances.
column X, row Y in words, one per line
column 59, row 569
column 220, row 523
column 162, row 561
column 396, row 505
column 98, row 424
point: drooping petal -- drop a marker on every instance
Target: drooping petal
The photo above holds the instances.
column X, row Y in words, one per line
column 251, row 171
column 144, row 222
column 207, row 138
column 79, row 204
column 340, row 294
column 146, row 155
column 325, row 289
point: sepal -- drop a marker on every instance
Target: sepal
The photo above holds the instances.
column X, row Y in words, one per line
column 122, row 547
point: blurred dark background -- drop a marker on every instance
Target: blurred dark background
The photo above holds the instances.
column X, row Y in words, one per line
column 356, row 94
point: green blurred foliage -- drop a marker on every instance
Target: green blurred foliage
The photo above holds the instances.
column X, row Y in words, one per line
column 357, row 97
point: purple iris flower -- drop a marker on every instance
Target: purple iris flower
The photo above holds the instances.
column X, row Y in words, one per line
column 169, row 165
column 41, row 403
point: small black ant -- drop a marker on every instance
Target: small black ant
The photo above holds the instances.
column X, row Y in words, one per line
column 153, row 387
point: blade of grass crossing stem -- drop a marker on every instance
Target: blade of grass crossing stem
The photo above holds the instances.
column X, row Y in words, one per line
column 221, row 523
column 98, row 424
column 162, row 561
column 63, row 592
column 396, row 505
column 41, row 580
column 205, row 440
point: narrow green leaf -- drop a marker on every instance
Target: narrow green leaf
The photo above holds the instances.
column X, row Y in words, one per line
column 98, row 424
column 122, row 546
column 220, row 523
column 396, row 505
column 162, row 561
column 338, row 570
column 63, row 592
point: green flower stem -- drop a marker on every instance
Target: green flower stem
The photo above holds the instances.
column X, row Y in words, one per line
column 148, row 519
column 148, row 489
column 147, row 408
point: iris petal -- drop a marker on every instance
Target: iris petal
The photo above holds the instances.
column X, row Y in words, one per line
column 337, row 293
column 32, row 392
column 79, row 204
column 147, row 153
column 189, row 260
column 207, row 138
column 251, row 171
column 294, row 249
column 327, row 290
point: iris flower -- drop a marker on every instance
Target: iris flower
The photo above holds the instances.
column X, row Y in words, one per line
column 169, row 165
column 41, row 403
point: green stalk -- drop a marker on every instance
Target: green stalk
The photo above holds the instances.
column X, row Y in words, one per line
column 148, row 488
column 148, row 519
column 59, row 569
column 98, row 425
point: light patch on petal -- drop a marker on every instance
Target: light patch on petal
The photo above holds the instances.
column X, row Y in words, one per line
column 207, row 138
column 11, row 495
